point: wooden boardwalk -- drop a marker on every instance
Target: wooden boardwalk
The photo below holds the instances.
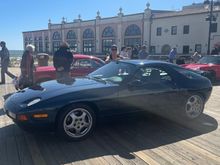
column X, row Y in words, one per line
column 136, row 140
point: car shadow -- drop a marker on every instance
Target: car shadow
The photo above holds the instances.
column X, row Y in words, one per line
column 114, row 136
column 2, row 112
column 217, row 83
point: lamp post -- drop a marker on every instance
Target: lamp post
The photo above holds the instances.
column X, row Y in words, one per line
column 209, row 18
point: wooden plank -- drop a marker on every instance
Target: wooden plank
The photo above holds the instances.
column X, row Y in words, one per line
column 146, row 141
column 34, row 150
column 23, row 151
column 3, row 145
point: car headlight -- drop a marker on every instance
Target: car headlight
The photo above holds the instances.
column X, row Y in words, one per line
column 32, row 102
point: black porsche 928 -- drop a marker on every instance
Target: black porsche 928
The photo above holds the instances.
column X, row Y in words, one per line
column 71, row 106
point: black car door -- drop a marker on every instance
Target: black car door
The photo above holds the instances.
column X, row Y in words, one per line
column 151, row 89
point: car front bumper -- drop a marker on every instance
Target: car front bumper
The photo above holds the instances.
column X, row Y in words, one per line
column 31, row 124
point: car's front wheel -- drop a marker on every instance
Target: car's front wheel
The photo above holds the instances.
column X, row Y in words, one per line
column 77, row 122
column 194, row 106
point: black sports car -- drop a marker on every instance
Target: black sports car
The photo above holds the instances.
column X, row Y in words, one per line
column 72, row 105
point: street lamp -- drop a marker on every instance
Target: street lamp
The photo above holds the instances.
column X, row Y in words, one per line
column 210, row 19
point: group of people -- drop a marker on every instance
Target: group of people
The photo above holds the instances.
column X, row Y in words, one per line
column 62, row 61
column 26, row 65
column 137, row 52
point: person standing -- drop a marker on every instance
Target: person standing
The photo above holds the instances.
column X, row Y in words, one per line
column 214, row 51
column 5, row 59
column 172, row 55
column 143, row 52
column 196, row 57
column 113, row 55
column 124, row 53
column 27, row 68
column 135, row 51
column 62, row 61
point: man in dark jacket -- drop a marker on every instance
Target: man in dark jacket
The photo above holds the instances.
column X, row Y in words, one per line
column 5, row 59
column 62, row 61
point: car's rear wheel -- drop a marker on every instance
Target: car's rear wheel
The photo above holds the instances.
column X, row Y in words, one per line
column 77, row 122
column 194, row 106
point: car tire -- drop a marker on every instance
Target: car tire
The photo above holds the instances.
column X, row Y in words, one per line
column 76, row 122
column 194, row 107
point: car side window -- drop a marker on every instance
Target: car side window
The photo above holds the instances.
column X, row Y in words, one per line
column 96, row 63
column 82, row 63
column 153, row 75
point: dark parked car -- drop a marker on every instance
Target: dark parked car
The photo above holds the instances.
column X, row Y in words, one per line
column 71, row 106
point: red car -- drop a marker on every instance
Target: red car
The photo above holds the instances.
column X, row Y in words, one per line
column 82, row 65
column 210, row 64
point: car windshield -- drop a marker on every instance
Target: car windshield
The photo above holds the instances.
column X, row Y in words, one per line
column 190, row 74
column 115, row 72
column 209, row 60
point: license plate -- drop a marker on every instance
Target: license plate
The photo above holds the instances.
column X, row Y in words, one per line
column 12, row 115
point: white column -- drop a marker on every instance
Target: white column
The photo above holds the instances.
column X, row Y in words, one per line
column 43, row 41
column 50, row 41
column 97, row 39
column 79, row 40
column 63, row 32
column 146, row 32
column 119, row 40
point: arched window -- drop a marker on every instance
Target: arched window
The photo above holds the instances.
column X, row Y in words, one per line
column 133, row 30
column 56, row 36
column 132, row 35
column 56, row 41
column 46, row 44
column 88, row 42
column 88, row 33
column 71, row 35
column 107, row 39
column 71, row 39
column 108, row 32
column 40, row 44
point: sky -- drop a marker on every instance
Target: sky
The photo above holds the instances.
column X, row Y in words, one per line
column 18, row 16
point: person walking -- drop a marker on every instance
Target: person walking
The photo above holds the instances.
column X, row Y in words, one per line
column 5, row 60
column 27, row 68
column 62, row 61
column 172, row 55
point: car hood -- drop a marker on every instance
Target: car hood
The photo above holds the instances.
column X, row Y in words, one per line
column 55, row 88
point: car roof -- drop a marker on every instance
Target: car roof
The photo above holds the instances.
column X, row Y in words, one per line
column 216, row 55
column 83, row 56
column 146, row 62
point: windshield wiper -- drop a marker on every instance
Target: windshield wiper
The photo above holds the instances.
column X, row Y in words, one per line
column 97, row 78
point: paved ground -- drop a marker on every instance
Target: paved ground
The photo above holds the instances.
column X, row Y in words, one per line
column 145, row 139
